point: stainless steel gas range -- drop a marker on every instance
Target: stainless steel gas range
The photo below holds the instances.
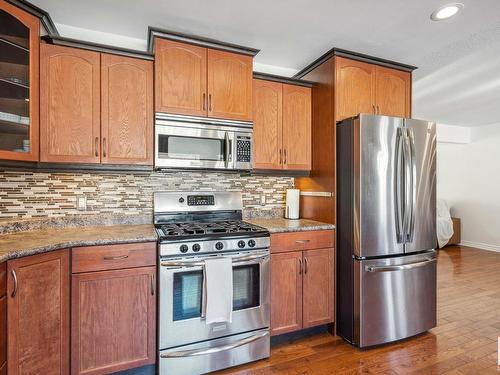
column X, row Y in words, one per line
column 193, row 227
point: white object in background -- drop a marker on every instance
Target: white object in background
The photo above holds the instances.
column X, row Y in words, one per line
column 444, row 223
column 218, row 290
column 292, row 203
column 82, row 203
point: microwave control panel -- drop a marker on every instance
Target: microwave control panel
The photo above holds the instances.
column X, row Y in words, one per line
column 243, row 149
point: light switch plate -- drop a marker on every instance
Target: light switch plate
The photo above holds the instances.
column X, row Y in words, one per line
column 81, row 203
column 262, row 199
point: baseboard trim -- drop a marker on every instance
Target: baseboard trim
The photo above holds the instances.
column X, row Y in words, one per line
column 482, row 246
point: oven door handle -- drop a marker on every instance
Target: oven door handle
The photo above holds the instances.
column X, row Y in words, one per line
column 236, row 260
column 216, row 349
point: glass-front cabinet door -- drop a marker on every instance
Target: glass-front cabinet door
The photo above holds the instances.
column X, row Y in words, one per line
column 19, row 77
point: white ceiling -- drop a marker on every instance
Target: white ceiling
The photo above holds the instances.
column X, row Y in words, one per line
column 458, row 80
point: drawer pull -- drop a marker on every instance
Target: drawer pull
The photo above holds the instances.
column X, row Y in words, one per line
column 302, row 241
column 118, row 257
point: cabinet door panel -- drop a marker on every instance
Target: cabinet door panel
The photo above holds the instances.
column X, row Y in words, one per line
column 180, row 78
column 229, row 85
column 126, row 110
column 113, row 320
column 296, row 127
column 38, row 314
column 69, row 105
column 393, row 92
column 286, row 292
column 319, row 291
column 19, row 129
column 355, row 92
column 267, row 124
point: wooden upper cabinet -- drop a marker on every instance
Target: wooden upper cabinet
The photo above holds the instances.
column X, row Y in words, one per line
column 296, row 127
column 318, row 292
column 229, row 85
column 393, row 92
column 38, row 314
column 69, row 105
column 19, row 85
column 113, row 320
column 286, row 292
column 180, row 78
column 355, row 88
column 267, row 124
column 126, row 110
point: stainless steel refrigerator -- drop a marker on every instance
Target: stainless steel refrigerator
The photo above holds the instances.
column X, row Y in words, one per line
column 386, row 228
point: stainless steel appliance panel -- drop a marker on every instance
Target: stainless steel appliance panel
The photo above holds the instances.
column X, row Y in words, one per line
column 421, row 163
column 396, row 298
column 176, row 331
column 376, row 150
column 213, row 355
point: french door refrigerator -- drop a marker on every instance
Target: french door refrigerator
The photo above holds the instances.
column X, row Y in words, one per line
column 386, row 228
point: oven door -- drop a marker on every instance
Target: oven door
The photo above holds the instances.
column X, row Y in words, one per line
column 181, row 317
column 191, row 147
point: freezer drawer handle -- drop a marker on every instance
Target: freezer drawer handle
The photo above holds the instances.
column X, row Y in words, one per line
column 400, row 267
column 217, row 349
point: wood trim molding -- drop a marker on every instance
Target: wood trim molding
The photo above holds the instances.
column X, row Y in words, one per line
column 353, row 56
column 154, row 32
column 104, row 48
column 281, row 79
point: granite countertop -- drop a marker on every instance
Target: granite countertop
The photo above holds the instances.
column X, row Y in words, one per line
column 19, row 244
column 280, row 225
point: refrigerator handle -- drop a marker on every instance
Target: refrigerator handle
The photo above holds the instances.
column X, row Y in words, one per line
column 412, row 183
column 409, row 180
column 399, row 185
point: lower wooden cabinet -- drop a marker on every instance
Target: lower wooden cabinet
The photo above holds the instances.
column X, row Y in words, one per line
column 302, row 288
column 113, row 320
column 38, row 314
column 286, row 292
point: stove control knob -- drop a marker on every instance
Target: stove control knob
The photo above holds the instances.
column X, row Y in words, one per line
column 241, row 244
column 184, row 248
column 219, row 245
column 251, row 243
column 196, row 247
column 181, row 200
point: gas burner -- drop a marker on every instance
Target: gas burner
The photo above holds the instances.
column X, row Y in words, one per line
column 195, row 229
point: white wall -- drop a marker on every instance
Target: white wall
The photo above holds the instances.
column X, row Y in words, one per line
column 469, row 179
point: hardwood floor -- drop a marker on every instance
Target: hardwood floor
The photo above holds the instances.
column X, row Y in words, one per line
column 464, row 342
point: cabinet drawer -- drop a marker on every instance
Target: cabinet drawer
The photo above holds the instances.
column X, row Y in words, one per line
column 3, row 279
column 293, row 241
column 111, row 257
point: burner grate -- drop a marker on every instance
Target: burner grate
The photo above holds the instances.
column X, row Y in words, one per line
column 197, row 228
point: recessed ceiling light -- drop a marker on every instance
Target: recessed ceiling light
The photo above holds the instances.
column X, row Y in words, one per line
column 446, row 11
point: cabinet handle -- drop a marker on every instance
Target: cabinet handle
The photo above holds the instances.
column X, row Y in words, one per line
column 104, row 147
column 96, row 146
column 281, row 157
column 306, row 263
column 378, row 110
column 374, row 109
column 204, row 101
column 300, row 266
column 303, row 241
column 210, row 102
column 284, row 152
column 118, row 257
column 14, row 276
column 152, row 285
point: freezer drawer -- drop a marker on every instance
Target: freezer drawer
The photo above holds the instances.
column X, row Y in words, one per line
column 395, row 298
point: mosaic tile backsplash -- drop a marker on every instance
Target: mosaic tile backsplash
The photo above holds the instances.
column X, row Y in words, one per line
column 27, row 195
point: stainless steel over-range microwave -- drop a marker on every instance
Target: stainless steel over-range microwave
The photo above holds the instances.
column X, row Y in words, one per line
column 202, row 143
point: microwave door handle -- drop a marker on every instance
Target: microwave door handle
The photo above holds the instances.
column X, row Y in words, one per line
column 226, row 150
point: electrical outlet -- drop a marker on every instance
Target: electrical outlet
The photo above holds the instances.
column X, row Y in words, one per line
column 262, row 199
column 81, row 203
